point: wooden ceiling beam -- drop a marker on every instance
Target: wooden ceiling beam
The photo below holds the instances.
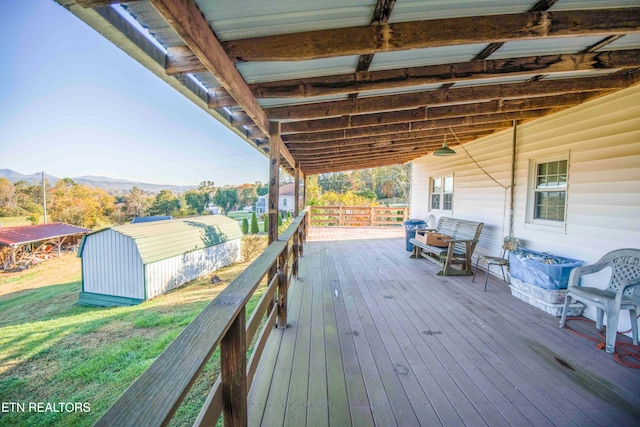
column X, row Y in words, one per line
column 413, row 126
column 369, row 39
column 339, row 166
column 406, row 136
column 441, row 112
column 374, row 104
column 372, row 148
column 187, row 20
column 350, row 83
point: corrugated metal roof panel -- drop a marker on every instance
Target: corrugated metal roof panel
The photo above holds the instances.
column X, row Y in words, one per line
column 630, row 41
column 240, row 19
column 492, row 81
column 592, row 4
column 255, row 72
column 423, row 57
column 279, row 102
column 420, row 88
column 165, row 239
column 417, row 10
column 22, row 234
column 149, row 18
column 577, row 74
column 539, row 47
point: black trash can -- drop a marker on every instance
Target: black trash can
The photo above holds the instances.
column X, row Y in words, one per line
column 410, row 227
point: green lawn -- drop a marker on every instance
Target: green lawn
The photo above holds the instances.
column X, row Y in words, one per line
column 240, row 215
column 52, row 350
column 10, row 221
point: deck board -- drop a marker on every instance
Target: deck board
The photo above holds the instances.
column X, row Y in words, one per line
column 377, row 338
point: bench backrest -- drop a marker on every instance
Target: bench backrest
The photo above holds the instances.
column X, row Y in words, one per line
column 460, row 229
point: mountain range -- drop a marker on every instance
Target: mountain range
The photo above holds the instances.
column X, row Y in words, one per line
column 108, row 184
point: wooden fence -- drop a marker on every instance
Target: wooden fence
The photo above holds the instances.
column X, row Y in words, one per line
column 357, row 215
column 156, row 395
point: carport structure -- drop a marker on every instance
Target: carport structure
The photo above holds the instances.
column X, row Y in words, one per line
column 338, row 85
column 31, row 240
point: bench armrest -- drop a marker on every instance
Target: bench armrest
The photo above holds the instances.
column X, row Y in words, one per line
column 576, row 273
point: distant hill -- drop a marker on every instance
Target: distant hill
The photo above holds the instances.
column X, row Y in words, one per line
column 109, row 184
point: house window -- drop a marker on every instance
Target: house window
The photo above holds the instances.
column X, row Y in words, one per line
column 550, row 191
column 442, row 193
column 284, row 202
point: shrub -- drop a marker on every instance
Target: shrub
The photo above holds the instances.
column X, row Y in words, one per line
column 245, row 226
column 252, row 246
column 279, row 219
column 265, row 226
column 254, row 224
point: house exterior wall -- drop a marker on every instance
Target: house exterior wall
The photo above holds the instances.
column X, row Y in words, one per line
column 111, row 265
column 167, row 274
column 600, row 139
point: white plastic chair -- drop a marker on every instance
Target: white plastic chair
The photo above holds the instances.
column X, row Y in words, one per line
column 618, row 295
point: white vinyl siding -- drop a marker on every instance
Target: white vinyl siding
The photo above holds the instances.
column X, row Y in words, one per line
column 601, row 141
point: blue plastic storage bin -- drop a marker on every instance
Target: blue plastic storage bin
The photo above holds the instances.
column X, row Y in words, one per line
column 410, row 227
column 546, row 271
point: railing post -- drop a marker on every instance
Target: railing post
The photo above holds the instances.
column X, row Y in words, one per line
column 233, row 361
column 340, row 218
column 296, row 240
column 283, row 286
column 373, row 216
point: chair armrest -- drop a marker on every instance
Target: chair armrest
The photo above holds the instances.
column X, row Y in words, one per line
column 576, row 273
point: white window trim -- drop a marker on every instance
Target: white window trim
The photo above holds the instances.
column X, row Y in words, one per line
column 442, row 193
column 532, row 222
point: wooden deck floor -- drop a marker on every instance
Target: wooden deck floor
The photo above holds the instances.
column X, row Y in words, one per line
column 376, row 338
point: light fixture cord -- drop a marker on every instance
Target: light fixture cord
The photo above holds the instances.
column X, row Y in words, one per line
column 474, row 161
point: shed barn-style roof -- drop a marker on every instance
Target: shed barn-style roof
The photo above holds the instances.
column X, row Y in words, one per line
column 165, row 239
column 352, row 84
column 23, row 234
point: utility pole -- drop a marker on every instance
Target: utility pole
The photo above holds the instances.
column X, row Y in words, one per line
column 44, row 198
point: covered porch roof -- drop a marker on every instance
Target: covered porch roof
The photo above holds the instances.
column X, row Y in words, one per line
column 350, row 84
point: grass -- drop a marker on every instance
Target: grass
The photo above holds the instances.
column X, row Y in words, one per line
column 10, row 221
column 52, row 350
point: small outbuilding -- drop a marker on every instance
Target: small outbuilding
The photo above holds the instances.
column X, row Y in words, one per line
column 131, row 263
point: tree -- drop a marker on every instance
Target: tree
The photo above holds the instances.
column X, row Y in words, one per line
column 313, row 190
column 195, row 200
column 254, row 224
column 338, row 182
column 245, row 226
column 226, row 198
column 247, row 195
column 265, row 225
column 136, row 203
column 207, row 188
column 279, row 219
column 262, row 188
column 165, row 203
column 8, row 199
column 80, row 205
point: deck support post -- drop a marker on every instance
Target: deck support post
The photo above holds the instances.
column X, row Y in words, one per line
column 233, row 361
column 283, row 286
column 274, row 192
column 296, row 212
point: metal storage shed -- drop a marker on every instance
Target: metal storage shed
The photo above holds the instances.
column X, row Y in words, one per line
column 128, row 264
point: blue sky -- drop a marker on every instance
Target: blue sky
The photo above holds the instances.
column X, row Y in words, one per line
column 73, row 104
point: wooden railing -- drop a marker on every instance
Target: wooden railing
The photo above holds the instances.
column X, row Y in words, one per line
column 357, row 215
column 156, row 395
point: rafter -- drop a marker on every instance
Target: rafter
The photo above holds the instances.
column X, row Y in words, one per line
column 407, row 136
column 337, row 152
column 445, row 73
column 442, row 112
column 432, row 33
column 451, row 96
column 413, row 126
column 187, row 20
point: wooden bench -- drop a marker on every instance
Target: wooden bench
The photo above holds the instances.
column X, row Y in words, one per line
column 464, row 237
